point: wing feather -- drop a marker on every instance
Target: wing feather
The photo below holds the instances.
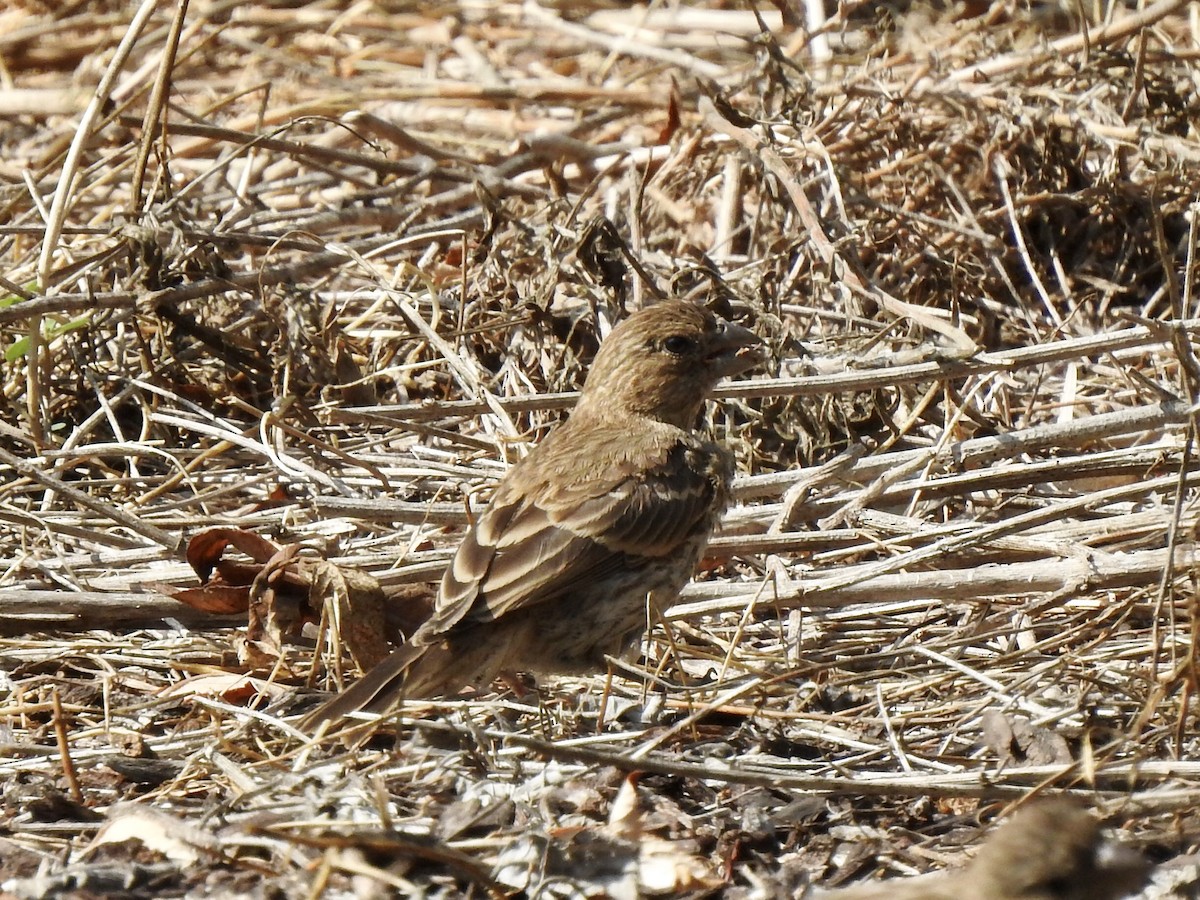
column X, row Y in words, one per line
column 534, row 546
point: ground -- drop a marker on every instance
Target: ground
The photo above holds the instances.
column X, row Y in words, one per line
column 287, row 286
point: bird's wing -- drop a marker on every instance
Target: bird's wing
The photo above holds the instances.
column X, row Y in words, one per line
column 530, row 548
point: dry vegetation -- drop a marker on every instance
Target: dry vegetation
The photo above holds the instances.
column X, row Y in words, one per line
column 319, row 270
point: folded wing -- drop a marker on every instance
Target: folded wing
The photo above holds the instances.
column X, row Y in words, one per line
column 535, row 547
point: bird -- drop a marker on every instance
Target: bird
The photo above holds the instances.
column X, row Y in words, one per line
column 607, row 516
column 1050, row 850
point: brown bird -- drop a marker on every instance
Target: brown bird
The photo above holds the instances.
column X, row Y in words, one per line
column 614, row 506
column 1051, row 850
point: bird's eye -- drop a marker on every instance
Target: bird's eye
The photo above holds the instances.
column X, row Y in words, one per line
column 1058, row 887
column 678, row 344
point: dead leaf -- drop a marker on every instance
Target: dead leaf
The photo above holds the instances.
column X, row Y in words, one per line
column 407, row 607
column 359, row 612
column 220, row 600
column 625, row 816
column 168, row 835
column 228, row 591
column 231, row 687
column 1017, row 742
column 277, row 610
column 664, row 867
column 673, row 118
column 206, row 547
column 281, row 591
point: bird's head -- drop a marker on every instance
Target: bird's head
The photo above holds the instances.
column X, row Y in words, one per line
column 664, row 360
column 1053, row 850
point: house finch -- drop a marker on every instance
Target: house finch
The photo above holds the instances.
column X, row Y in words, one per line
column 1052, row 850
column 614, row 506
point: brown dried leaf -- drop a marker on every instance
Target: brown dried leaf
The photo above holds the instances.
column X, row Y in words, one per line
column 232, row 687
column 673, row 118
column 168, row 835
column 1017, row 742
column 664, row 866
column 205, row 548
column 277, row 607
column 358, row 609
column 407, row 606
column 220, row 600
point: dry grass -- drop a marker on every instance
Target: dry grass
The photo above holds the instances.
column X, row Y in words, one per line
column 365, row 265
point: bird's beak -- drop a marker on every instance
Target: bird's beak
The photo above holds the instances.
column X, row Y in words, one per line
column 734, row 350
column 1122, row 867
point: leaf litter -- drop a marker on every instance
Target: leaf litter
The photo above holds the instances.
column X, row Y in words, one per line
column 354, row 260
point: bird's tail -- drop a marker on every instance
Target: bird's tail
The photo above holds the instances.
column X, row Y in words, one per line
column 413, row 671
column 376, row 691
